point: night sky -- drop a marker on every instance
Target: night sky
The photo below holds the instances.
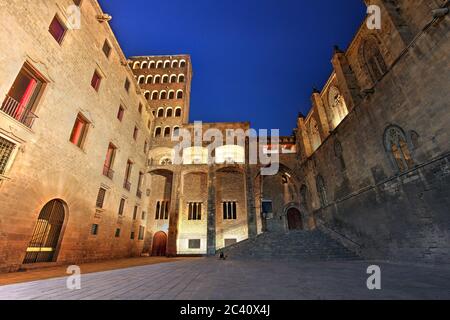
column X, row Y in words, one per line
column 253, row 60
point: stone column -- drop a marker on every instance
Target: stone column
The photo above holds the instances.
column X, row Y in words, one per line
column 304, row 143
column 251, row 207
column 174, row 215
column 348, row 85
column 211, row 215
column 318, row 105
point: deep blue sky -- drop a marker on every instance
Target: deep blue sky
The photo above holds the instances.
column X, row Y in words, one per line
column 253, row 60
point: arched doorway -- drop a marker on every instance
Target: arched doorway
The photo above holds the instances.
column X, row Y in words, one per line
column 46, row 234
column 294, row 219
column 159, row 244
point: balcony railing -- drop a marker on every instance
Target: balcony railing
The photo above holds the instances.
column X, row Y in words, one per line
column 127, row 185
column 21, row 113
column 108, row 172
column 139, row 194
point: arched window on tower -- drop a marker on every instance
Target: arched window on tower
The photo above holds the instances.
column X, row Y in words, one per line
column 181, row 78
column 167, row 132
column 174, row 64
column 165, row 78
column 155, row 95
column 160, row 113
column 151, row 65
column 321, row 191
column 147, row 95
column 166, row 64
column 144, row 65
column 141, row 79
column 176, row 132
column 169, row 112
column 178, row 112
column 182, row 63
column 159, row 65
column 149, row 79
column 373, row 59
column 171, row 94
column 157, row 79
column 158, row 132
column 173, row 78
column 163, row 95
column 397, row 148
column 180, row 94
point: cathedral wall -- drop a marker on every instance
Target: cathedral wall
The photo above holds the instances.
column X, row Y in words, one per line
column 395, row 214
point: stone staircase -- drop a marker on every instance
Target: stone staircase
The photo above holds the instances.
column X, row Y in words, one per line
column 295, row 245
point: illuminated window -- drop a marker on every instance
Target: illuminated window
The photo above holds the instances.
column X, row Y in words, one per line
column 230, row 154
column 96, row 80
column 162, row 210
column 229, row 210
column 79, row 131
column 397, row 147
column 195, row 155
column 194, row 211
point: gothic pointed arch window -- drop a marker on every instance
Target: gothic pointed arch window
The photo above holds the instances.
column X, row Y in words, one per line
column 167, row 132
column 322, row 191
column 339, row 153
column 373, row 59
column 314, row 134
column 396, row 145
column 337, row 105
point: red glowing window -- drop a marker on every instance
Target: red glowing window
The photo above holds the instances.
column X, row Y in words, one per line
column 57, row 29
column 79, row 131
column 96, row 80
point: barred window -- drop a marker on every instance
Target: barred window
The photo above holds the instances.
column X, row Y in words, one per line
column 6, row 150
column 121, row 207
column 101, row 198
column 194, row 243
column 94, row 229
column 195, row 211
column 230, row 210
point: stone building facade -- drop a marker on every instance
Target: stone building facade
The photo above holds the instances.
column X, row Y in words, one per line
column 61, row 199
column 89, row 162
column 374, row 149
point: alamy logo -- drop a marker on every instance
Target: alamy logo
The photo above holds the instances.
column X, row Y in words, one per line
column 230, row 149
column 74, row 281
column 374, row 17
column 374, row 281
column 74, row 17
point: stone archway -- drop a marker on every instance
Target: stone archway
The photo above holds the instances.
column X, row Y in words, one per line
column 47, row 233
column 159, row 246
column 294, row 219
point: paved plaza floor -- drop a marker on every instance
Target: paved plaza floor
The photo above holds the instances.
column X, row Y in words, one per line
column 211, row 279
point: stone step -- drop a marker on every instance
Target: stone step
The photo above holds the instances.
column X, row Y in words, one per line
column 296, row 245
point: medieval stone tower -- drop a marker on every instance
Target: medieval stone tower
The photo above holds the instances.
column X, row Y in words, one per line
column 166, row 84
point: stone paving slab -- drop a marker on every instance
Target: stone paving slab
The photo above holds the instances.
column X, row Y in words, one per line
column 208, row 279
